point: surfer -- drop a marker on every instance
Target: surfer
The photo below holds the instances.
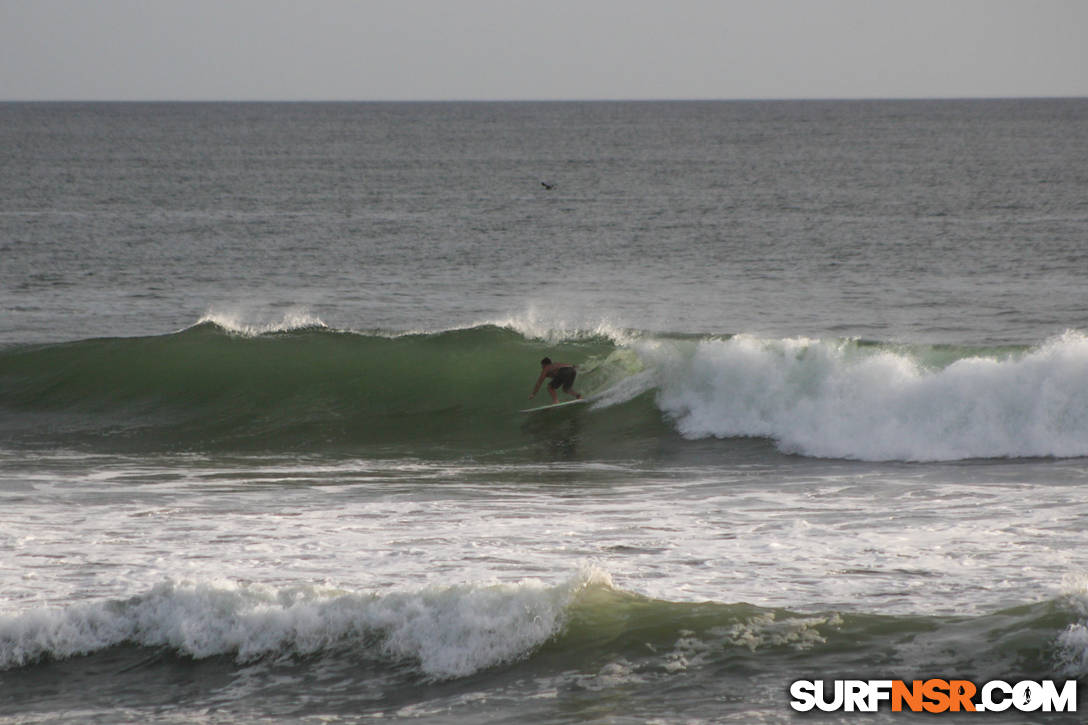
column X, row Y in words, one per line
column 562, row 375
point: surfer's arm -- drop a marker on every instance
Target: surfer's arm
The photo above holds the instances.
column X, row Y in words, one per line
column 538, row 382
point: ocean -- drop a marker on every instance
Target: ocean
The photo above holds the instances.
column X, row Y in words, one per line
column 262, row 368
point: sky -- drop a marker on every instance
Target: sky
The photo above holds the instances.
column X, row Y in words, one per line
column 540, row 49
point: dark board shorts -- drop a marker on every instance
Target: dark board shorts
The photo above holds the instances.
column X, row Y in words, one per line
column 564, row 377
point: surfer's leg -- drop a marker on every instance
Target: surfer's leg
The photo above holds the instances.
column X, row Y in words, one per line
column 568, row 385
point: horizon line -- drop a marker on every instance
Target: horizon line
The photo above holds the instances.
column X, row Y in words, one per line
column 678, row 99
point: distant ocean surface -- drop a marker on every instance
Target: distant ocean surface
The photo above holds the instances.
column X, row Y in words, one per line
column 261, row 368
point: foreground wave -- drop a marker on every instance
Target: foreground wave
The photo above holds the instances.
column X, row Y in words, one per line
column 581, row 635
column 456, row 393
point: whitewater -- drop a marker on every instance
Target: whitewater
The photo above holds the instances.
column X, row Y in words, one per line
column 262, row 365
column 879, row 402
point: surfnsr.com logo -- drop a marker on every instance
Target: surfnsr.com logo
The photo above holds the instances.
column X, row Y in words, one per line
column 933, row 695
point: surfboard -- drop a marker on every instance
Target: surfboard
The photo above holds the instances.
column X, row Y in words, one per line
column 554, row 405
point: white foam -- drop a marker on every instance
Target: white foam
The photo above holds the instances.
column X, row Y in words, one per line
column 234, row 322
column 1072, row 643
column 451, row 632
column 766, row 630
column 532, row 324
column 1073, row 650
column 835, row 399
column 624, row 390
column 556, row 326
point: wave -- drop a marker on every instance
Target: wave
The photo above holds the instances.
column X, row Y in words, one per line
column 221, row 386
column 299, row 385
column 449, row 632
column 844, row 399
column 443, row 633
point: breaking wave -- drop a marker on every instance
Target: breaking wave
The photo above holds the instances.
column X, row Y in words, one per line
column 443, row 633
column 298, row 385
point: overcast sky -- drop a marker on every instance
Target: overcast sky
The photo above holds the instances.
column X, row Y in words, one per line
column 540, row 49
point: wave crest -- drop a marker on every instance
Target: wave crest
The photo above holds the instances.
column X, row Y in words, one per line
column 234, row 323
column 223, row 384
column 449, row 632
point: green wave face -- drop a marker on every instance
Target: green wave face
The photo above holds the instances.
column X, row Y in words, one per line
column 607, row 625
column 203, row 388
